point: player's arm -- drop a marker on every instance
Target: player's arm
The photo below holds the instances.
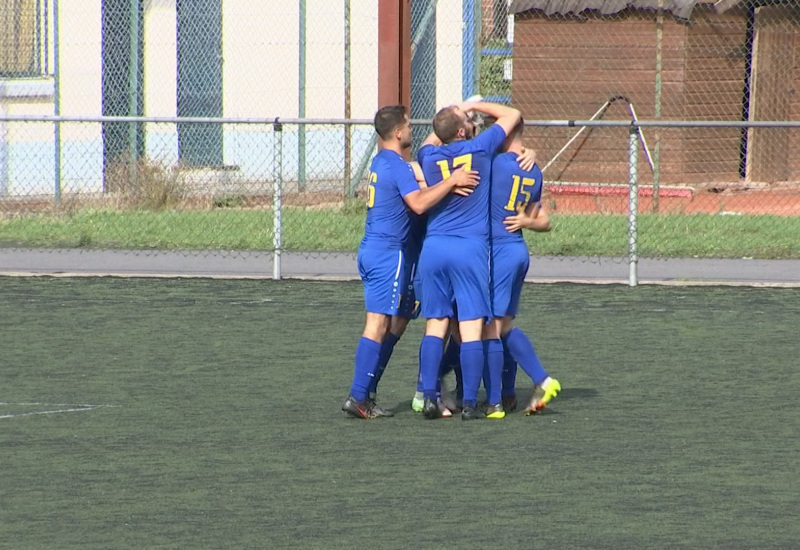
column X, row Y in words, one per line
column 461, row 182
column 507, row 117
column 418, row 174
column 531, row 217
column 431, row 140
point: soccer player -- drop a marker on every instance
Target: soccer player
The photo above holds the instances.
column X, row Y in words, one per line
column 409, row 304
column 381, row 261
column 515, row 205
column 454, row 264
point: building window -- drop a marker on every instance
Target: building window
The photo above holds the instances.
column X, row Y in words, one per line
column 24, row 38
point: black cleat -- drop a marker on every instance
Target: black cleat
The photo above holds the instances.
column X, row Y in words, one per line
column 377, row 410
column 358, row 409
column 509, row 403
column 431, row 409
column 471, row 413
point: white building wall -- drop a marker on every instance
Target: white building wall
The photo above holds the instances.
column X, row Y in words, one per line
column 260, row 80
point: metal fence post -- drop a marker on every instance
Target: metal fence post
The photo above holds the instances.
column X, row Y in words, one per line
column 301, row 99
column 56, row 106
column 633, row 198
column 277, row 150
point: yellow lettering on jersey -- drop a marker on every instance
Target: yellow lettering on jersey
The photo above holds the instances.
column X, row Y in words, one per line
column 373, row 179
column 463, row 160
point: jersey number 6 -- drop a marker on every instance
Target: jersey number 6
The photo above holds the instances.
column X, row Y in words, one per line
column 373, row 179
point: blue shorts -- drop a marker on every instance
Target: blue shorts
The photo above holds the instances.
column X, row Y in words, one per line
column 383, row 273
column 510, row 262
column 455, row 269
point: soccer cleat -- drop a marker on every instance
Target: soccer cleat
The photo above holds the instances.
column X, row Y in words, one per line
column 542, row 395
column 445, row 411
column 448, row 398
column 471, row 413
column 418, row 402
column 509, row 403
column 378, row 410
column 430, row 410
column 358, row 409
column 495, row 411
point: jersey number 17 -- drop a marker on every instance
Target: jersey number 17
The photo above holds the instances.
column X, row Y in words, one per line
column 463, row 160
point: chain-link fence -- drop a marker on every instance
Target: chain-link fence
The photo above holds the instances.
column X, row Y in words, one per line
column 204, row 164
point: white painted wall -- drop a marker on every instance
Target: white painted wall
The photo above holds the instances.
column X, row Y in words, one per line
column 449, row 26
column 260, row 77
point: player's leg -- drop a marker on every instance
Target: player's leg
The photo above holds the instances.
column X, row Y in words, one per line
column 381, row 273
column 472, row 360
column 470, row 276
column 409, row 309
column 454, row 351
column 451, row 363
column 493, row 369
column 437, row 309
column 397, row 328
column 509, row 393
column 509, row 265
column 430, row 360
column 366, row 361
column 519, row 345
column 447, row 400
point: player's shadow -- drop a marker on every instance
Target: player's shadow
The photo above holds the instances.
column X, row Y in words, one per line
column 402, row 407
column 564, row 395
column 577, row 393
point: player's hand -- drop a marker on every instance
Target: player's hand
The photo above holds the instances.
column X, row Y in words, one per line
column 464, row 181
column 535, row 219
column 517, row 221
column 526, row 159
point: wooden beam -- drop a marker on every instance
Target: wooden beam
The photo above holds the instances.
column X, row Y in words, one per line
column 394, row 52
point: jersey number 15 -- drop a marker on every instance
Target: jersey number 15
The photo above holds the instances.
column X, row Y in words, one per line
column 521, row 187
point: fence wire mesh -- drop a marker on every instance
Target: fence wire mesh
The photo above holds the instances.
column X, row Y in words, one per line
column 212, row 183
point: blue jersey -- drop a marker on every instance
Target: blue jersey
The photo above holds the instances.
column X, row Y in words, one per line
column 456, row 215
column 391, row 178
column 512, row 187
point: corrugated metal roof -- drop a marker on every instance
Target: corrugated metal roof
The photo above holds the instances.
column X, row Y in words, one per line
column 679, row 8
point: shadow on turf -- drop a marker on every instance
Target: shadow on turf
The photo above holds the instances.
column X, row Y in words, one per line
column 404, row 407
column 577, row 393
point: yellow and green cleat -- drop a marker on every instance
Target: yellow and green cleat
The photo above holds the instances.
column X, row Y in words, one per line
column 495, row 411
column 418, row 402
column 542, row 395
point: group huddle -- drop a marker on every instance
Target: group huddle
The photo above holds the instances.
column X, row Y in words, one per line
column 443, row 240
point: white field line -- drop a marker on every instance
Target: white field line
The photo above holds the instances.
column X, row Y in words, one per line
column 69, row 408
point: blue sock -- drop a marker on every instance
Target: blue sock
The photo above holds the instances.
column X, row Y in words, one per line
column 367, row 356
column 430, row 357
column 471, row 371
column 494, row 367
column 386, row 353
column 509, row 373
column 521, row 349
